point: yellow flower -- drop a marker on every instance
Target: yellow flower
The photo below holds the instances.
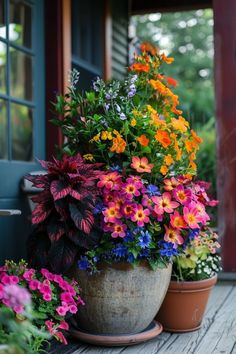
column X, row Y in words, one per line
column 164, row 169
column 133, row 122
column 106, row 135
column 158, row 86
column 95, row 138
column 189, row 145
column 116, row 133
column 88, row 157
column 168, row 160
column 150, row 109
column 166, row 59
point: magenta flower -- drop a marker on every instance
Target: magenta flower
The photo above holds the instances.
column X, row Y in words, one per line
column 63, row 325
column 191, row 217
column 119, row 230
column 47, row 297
column 34, row 284
column 182, row 195
column 66, row 297
column 73, row 309
column 130, row 190
column 61, row 310
column 28, row 274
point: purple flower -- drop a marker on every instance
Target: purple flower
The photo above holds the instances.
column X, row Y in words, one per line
column 128, row 237
column 99, row 207
column 118, row 108
column 133, row 79
column 153, row 190
column 107, row 106
column 193, row 233
column 116, row 168
column 16, row 297
column 144, row 239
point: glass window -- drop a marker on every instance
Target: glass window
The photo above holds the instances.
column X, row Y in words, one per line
column 16, row 80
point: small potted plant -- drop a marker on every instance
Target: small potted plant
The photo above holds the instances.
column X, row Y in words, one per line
column 194, row 274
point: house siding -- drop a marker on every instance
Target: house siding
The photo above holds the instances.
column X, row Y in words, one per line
column 120, row 20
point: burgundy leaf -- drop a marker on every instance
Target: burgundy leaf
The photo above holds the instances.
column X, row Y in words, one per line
column 59, row 189
column 39, row 181
column 55, row 230
column 40, row 213
column 75, row 194
column 62, row 255
column 82, row 217
column 43, row 197
column 38, row 245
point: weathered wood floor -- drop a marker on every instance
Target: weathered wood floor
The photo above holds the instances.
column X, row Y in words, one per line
column 217, row 335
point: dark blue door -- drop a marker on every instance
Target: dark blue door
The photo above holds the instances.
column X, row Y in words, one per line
column 22, row 122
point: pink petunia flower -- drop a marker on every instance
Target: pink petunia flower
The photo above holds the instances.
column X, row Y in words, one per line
column 61, row 310
column 63, row 325
column 34, row 284
column 73, row 309
column 47, row 297
column 28, row 274
column 66, row 297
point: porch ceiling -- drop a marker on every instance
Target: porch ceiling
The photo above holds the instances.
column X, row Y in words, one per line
column 138, row 7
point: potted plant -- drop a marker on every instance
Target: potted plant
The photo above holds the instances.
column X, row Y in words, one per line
column 53, row 298
column 194, row 275
column 128, row 225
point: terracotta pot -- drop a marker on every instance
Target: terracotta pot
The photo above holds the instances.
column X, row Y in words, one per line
column 121, row 299
column 184, row 305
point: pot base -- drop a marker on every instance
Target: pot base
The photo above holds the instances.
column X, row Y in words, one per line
column 173, row 330
column 152, row 331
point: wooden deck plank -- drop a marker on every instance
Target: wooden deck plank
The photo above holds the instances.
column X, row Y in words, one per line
column 187, row 342
column 221, row 336
column 217, row 335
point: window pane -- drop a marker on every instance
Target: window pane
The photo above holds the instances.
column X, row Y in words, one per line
column 21, row 128
column 21, row 74
column 20, row 29
column 3, row 66
column 3, row 130
column 3, row 30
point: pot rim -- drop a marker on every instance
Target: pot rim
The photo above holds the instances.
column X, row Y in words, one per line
column 196, row 285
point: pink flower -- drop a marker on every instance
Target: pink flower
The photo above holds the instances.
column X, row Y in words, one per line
column 58, row 278
column 66, row 297
column 173, row 235
column 80, row 301
column 164, row 204
column 119, row 230
column 47, row 297
column 6, row 280
column 14, row 279
column 60, row 336
column 63, row 325
column 141, row 215
column 111, row 213
column 44, row 287
column 182, row 195
column 177, row 220
column 28, row 274
column 191, row 217
column 61, row 310
column 73, row 309
column 147, row 201
column 130, row 190
column 136, row 180
column 110, row 181
column 18, row 309
column 34, row 284
column 128, row 210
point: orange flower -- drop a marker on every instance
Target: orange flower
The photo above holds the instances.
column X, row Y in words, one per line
column 118, row 145
column 141, row 165
column 163, row 137
column 164, row 170
column 155, row 120
column 143, row 140
column 168, row 160
column 180, row 124
column 148, row 47
column 139, row 67
column 189, row 145
column 158, row 86
column 166, row 59
column 196, row 138
column 176, row 146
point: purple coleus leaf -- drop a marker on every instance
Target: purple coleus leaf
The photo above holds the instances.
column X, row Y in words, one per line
column 59, row 189
column 40, row 213
column 55, row 230
column 83, row 218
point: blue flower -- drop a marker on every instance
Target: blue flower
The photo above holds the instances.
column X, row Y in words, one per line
column 120, row 250
column 168, row 249
column 83, row 263
column 153, row 190
column 129, row 236
column 130, row 258
column 144, row 253
column 115, row 168
column 99, row 207
column 144, row 239
column 193, row 233
column 123, row 116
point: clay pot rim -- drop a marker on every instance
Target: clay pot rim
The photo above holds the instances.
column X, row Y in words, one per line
column 196, row 285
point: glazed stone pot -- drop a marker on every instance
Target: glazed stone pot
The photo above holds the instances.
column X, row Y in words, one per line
column 121, row 299
column 185, row 304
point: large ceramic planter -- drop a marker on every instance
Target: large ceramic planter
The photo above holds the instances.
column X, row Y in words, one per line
column 121, row 299
column 184, row 305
